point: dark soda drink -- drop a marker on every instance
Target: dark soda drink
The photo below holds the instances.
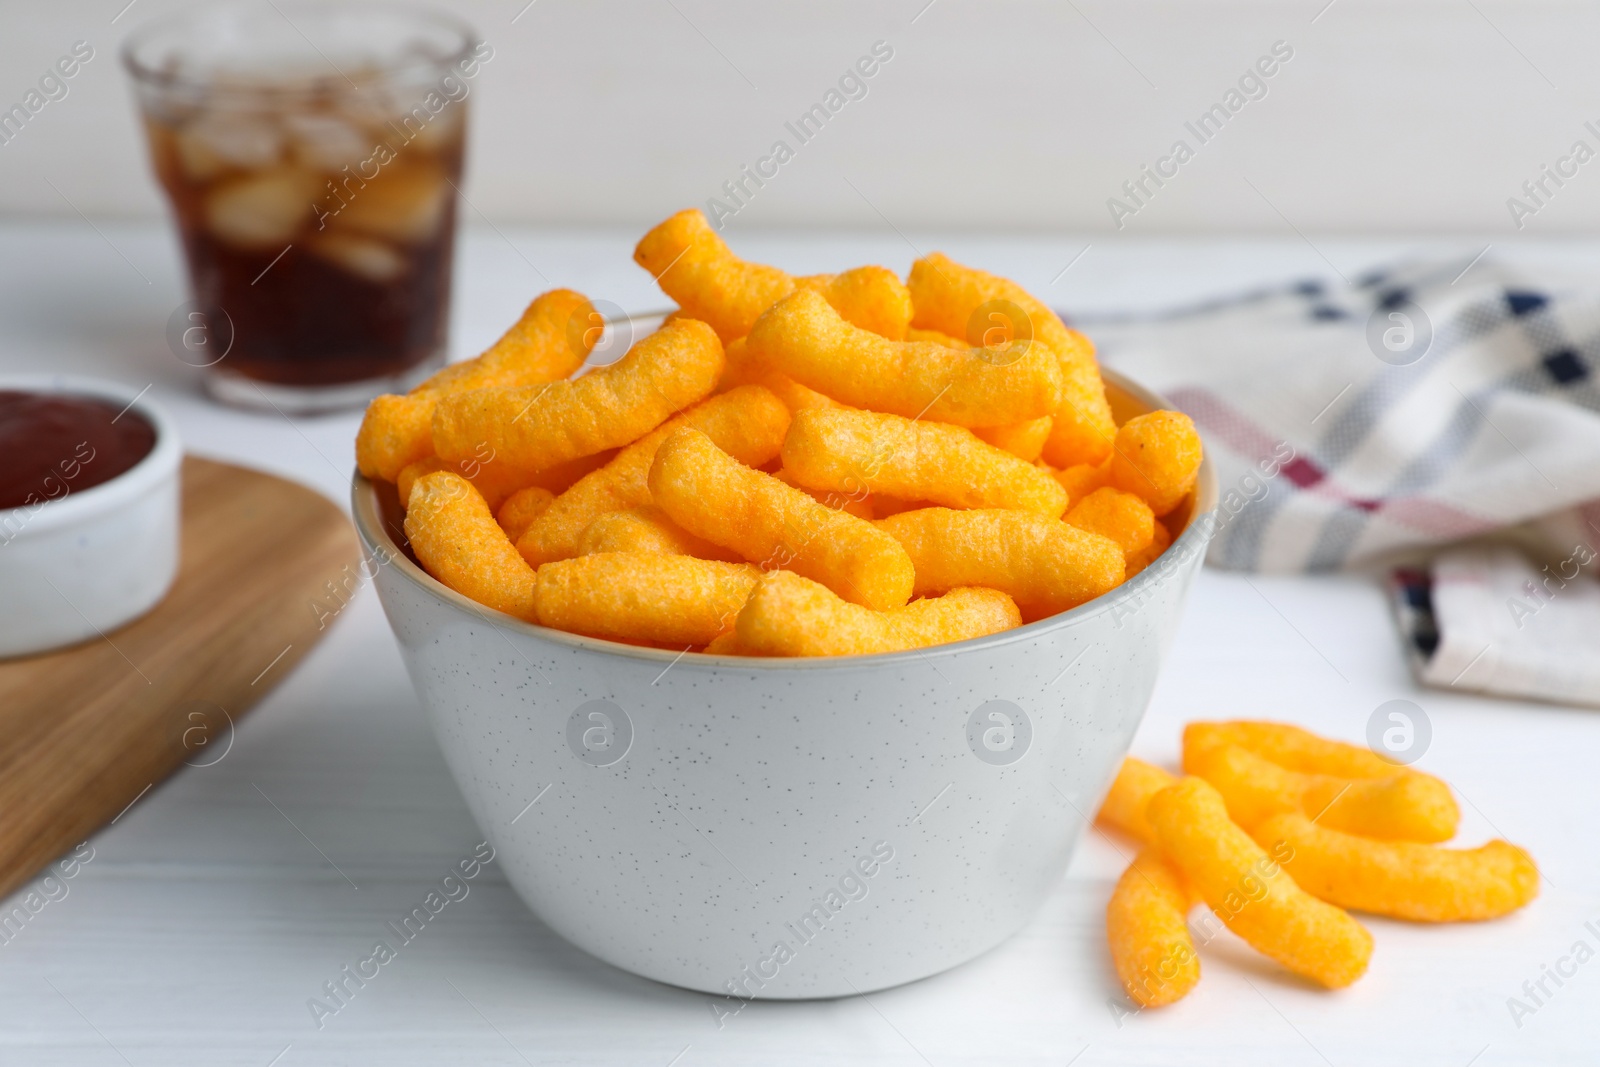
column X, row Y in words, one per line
column 326, row 276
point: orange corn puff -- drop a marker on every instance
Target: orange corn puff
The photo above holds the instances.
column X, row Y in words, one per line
column 540, row 347
column 1123, row 517
column 885, row 506
column 937, row 337
column 563, row 476
column 1136, row 782
column 1160, row 541
column 454, row 535
column 1083, row 424
column 1402, row 879
column 493, row 481
column 1301, row 750
column 736, row 370
column 803, row 337
column 395, row 432
column 712, row 495
column 1403, row 807
column 1156, row 457
column 695, row 267
column 869, row 297
column 653, row 597
column 725, row 644
column 855, row 502
column 788, row 615
column 521, row 508
column 742, row 371
column 497, row 481
column 1292, row 747
column 1148, row 933
column 1025, row 440
column 407, row 479
column 1045, row 565
column 946, row 296
column 1249, row 890
column 537, row 427
column 748, row 423
column 646, row 529
column 852, row 451
column 1083, row 479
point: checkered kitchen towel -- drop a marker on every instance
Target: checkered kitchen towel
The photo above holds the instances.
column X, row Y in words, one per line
column 1382, row 420
column 1412, row 408
column 1482, row 617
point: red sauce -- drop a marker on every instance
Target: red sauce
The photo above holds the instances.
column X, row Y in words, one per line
column 53, row 444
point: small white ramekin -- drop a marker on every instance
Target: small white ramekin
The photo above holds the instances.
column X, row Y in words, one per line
column 784, row 828
column 84, row 562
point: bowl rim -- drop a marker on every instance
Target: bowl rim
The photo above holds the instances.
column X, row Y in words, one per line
column 375, row 538
column 30, row 520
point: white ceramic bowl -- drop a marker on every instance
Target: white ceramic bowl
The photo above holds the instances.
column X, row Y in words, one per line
column 784, row 828
column 87, row 561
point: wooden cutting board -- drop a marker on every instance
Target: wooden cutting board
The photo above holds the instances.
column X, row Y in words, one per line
column 85, row 731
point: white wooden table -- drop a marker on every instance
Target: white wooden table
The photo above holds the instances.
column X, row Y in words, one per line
column 207, row 917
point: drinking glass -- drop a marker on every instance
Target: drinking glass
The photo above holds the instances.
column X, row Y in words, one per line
column 312, row 155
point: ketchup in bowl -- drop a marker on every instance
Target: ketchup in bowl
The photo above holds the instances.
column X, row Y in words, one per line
column 54, row 444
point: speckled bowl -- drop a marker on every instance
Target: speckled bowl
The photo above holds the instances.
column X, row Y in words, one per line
column 784, row 828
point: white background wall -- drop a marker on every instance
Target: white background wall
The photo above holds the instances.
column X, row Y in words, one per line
column 1021, row 115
